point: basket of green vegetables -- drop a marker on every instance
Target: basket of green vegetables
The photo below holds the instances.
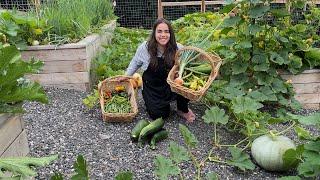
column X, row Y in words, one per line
column 196, row 70
column 117, row 100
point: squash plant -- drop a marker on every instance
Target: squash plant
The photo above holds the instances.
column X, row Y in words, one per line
column 306, row 155
column 14, row 88
column 166, row 167
column 22, row 29
column 22, row 167
column 253, row 50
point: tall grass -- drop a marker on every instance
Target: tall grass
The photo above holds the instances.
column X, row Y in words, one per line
column 75, row 19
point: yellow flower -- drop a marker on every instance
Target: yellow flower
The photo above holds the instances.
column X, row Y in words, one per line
column 37, row 31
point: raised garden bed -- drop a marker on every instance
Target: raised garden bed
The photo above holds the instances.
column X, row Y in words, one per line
column 307, row 87
column 13, row 141
column 68, row 66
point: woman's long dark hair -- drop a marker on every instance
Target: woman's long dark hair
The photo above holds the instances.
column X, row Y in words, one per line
column 170, row 49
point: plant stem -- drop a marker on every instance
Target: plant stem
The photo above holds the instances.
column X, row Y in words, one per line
column 215, row 134
column 218, row 161
column 195, row 163
column 247, row 145
column 287, row 129
column 234, row 145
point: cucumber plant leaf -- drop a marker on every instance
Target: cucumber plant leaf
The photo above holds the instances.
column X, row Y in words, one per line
column 165, row 167
column 188, row 137
column 177, row 153
column 80, row 166
column 215, row 115
column 240, row 159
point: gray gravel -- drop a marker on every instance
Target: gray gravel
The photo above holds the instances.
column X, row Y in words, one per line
column 66, row 127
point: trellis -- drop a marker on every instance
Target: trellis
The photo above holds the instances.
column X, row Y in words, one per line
column 204, row 4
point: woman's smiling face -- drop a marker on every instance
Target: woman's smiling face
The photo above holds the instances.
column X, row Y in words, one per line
column 162, row 34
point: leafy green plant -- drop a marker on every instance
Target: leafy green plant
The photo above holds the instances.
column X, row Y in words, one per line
column 117, row 56
column 73, row 20
column 253, row 50
column 82, row 173
column 167, row 167
column 192, row 29
column 14, row 88
column 21, row 29
column 22, row 167
column 305, row 156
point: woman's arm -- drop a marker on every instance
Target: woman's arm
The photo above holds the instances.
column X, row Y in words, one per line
column 140, row 58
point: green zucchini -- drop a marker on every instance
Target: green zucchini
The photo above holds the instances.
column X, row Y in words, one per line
column 203, row 68
column 152, row 128
column 163, row 134
column 137, row 129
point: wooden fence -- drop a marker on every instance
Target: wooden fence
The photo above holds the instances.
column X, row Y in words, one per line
column 203, row 4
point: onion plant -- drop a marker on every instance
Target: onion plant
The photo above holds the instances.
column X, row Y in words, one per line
column 73, row 20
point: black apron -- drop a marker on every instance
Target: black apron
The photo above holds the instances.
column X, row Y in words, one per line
column 156, row 91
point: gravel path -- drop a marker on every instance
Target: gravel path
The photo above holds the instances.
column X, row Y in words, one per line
column 66, row 127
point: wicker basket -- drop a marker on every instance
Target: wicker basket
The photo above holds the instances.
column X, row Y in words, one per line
column 215, row 62
column 109, row 84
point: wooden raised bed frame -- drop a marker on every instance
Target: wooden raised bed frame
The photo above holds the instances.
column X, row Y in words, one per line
column 13, row 136
column 68, row 66
column 307, row 87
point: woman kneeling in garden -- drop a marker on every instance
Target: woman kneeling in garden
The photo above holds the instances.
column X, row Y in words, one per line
column 156, row 57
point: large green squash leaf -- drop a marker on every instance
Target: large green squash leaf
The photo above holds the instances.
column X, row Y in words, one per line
column 188, row 137
column 14, row 88
column 21, row 166
column 245, row 104
column 165, row 167
column 215, row 115
column 178, row 153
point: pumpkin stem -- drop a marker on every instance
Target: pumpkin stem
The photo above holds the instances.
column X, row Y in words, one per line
column 273, row 134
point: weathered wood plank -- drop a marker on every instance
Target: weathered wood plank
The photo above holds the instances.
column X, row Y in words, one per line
column 60, row 78
column 19, row 146
column 308, row 98
column 4, row 117
column 303, row 78
column 9, row 130
column 191, row 3
column 308, row 88
column 310, row 71
column 56, row 55
column 64, row 66
column 315, row 106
